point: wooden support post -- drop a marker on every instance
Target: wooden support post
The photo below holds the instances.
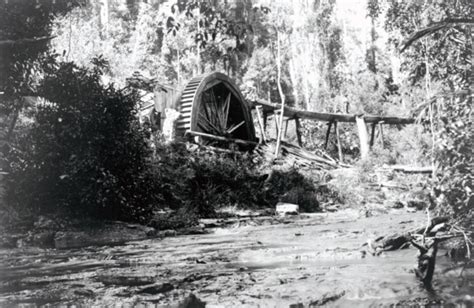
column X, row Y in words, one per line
column 265, row 120
column 298, row 132
column 258, row 110
column 277, row 121
column 372, row 134
column 363, row 136
column 327, row 135
column 381, row 134
column 286, row 128
column 339, row 146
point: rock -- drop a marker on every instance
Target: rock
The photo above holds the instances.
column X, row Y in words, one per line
column 130, row 281
column 392, row 204
column 417, row 204
column 192, row 302
column 287, row 209
column 84, row 292
column 157, row 289
column 326, row 298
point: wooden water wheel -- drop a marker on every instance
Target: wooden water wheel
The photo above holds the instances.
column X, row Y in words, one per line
column 214, row 112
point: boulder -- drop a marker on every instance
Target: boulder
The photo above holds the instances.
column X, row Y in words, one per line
column 392, row 204
column 287, row 209
column 417, row 204
column 157, row 289
column 192, row 302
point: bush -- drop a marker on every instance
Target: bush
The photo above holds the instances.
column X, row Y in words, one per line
column 454, row 184
column 203, row 181
column 84, row 153
column 293, row 187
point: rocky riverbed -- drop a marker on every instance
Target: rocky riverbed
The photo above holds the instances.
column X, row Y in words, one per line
column 305, row 260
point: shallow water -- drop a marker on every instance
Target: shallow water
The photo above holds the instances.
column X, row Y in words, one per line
column 253, row 265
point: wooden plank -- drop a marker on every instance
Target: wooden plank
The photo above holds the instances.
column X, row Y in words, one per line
column 338, row 140
column 363, row 137
column 220, row 138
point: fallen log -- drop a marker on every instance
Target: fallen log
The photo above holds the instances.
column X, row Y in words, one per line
column 413, row 170
column 408, row 169
column 403, row 240
column 425, row 239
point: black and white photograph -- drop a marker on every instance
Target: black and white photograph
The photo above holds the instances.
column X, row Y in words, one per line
column 236, row 153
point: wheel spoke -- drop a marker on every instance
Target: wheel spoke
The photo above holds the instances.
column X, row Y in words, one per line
column 234, row 127
column 226, row 110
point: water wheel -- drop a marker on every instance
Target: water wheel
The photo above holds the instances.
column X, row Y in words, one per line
column 214, row 112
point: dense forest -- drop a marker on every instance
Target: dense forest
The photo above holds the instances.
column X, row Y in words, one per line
column 60, row 152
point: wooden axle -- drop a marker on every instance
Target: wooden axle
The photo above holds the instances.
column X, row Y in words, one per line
column 220, row 138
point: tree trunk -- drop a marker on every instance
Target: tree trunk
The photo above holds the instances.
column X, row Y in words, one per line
column 282, row 96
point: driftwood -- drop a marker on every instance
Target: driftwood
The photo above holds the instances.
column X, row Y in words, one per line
column 403, row 240
column 425, row 239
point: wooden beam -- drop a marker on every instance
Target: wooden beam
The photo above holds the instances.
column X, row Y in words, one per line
column 338, row 139
column 298, row 132
column 258, row 110
column 327, row 135
column 363, row 137
column 220, row 138
column 329, row 117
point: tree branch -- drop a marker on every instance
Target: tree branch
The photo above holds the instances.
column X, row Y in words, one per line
column 434, row 27
column 33, row 40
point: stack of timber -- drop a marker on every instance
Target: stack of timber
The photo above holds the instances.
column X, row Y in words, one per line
column 297, row 156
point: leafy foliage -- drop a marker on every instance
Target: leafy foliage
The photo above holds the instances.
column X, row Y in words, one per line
column 84, row 152
column 203, row 181
column 455, row 181
column 440, row 50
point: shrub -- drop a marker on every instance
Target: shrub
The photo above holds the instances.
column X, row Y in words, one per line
column 454, row 183
column 84, row 153
column 293, row 187
column 203, row 181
